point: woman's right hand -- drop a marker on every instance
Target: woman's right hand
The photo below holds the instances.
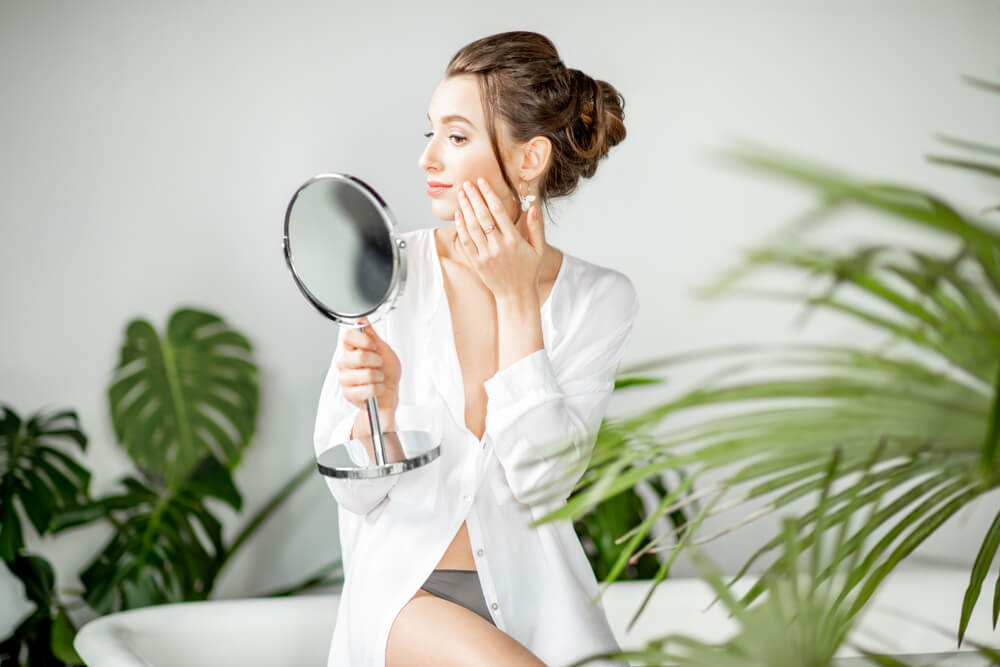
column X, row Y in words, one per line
column 367, row 368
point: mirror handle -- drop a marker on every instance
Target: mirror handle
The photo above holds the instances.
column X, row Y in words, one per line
column 378, row 438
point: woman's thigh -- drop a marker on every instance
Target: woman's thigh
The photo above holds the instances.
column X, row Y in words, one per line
column 432, row 631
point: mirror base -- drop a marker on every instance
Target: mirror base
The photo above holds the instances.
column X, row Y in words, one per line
column 404, row 450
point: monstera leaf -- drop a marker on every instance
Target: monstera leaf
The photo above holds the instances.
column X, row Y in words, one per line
column 36, row 474
column 167, row 545
column 193, row 394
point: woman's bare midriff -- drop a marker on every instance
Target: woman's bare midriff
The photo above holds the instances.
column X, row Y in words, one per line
column 474, row 322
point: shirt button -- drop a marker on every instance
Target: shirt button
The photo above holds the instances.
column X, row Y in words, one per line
column 479, row 553
column 467, row 499
column 494, row 605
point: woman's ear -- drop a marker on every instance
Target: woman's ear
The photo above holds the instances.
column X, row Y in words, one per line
column 535, row 154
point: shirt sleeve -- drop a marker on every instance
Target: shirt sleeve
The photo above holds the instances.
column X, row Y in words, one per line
column 543, row 421
column 334, row 420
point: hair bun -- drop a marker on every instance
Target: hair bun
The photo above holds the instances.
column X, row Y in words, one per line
column 584, row 92
column 598, row 118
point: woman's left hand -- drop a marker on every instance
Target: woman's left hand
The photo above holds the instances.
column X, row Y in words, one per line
column 505, row 260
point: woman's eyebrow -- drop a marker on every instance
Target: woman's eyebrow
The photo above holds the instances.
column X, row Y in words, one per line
column 454, row 117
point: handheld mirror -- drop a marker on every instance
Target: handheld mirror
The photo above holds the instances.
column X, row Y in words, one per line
column 341, row 245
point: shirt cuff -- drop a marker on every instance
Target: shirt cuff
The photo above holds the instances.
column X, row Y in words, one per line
column 425, row 417
column 341, row 431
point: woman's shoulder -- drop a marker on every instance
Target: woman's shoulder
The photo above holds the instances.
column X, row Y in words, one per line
column 419, row 291
column 416, row 238
column 606, row 290
column 417, row 248
column 420, row 234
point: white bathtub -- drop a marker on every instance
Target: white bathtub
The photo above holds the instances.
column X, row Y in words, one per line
column 297, row 630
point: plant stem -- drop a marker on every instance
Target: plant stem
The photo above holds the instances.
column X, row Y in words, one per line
column 268, row 509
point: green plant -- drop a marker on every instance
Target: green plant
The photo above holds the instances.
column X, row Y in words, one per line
column 184, row 408
column 599, row 527
column 929, row 396
column 799, row 621
column 45, row 636
column 179, row 399
column 40, row 478
column 36, row 474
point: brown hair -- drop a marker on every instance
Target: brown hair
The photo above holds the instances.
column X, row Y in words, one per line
column 523, row 81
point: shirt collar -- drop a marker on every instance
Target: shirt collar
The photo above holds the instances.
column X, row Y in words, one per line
column 436, row 282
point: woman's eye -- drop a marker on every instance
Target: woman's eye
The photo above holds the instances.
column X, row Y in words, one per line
column 461, row 139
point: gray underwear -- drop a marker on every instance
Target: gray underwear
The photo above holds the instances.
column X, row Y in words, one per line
column 461, row 587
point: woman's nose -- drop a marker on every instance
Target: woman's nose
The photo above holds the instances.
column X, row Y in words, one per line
column 427, row 160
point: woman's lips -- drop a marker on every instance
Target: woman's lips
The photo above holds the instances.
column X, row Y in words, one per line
column 435, row 190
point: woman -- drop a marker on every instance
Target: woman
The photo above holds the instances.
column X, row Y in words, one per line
column 510, row 349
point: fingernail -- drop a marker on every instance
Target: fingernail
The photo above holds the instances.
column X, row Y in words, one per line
column 481, row 181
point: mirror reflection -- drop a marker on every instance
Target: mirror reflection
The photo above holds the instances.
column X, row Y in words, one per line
column 339, row 246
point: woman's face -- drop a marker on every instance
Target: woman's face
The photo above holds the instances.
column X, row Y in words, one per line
column 458, row 147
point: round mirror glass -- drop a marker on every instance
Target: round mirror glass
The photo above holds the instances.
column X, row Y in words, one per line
column 338, row 245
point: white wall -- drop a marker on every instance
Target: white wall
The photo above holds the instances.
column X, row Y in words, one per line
column 147, row 152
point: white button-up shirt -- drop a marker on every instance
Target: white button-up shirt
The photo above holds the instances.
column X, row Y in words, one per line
column 542, row 417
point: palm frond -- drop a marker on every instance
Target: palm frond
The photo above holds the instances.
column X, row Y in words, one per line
column 926, row 400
